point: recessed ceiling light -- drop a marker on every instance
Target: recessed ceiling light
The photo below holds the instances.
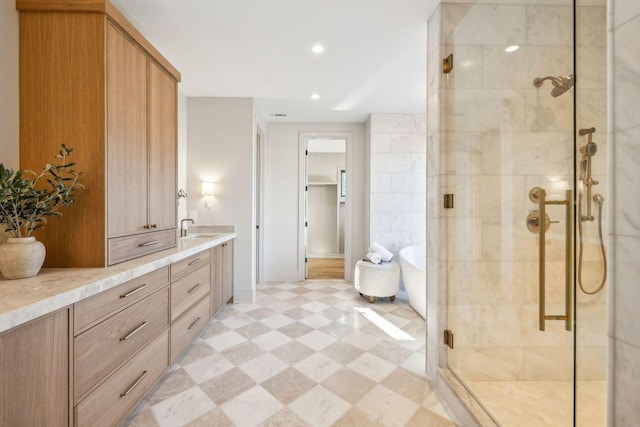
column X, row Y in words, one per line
column 315, row 96
column 512, row 48
column 317, row 48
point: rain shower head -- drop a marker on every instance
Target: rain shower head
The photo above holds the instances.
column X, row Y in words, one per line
column 561, row 84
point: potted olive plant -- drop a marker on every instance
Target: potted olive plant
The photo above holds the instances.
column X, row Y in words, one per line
column 26, row 200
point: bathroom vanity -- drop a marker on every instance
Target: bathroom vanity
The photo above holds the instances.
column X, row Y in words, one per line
column 82, row 347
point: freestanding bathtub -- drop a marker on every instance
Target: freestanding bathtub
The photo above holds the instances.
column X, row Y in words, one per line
column 413, row 262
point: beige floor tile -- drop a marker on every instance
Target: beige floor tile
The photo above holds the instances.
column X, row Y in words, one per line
column 242, row 353
column 276, row 321
column 298, row 313
column 253, row 330
column 195, row 351
column 215, row 418
column 171, row 384
column 251, row 407
column 271, row 340
column 227, row 386
column 316, row 340
column 342, row 352
column 285, row 418
column 260, row 313
column 318, row 367
column 408, row 384
column 182, row 408
column 141, row 419
column 320, row 407
column 390, row 351
column 295, row 329
column 293, row 352
column 371, row 366
column 263, row 367
column 288, row 385
column 349, row 385
column 423, row 417
column 387, row 407
column 356, row 418
column 225, row 340
column 207, row 368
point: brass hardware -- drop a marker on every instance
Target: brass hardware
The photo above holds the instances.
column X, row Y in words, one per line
column 448, row 201
column 146, row 226
column 140, row 378
column 153, row 242
column 195, row 261
column 540, row 195
column 194, row 288
column 533, row 221
column 153, row 226
column 134, row 291
column 193, row 323
column 135, row 331
column 448, row 338
column 447, row 64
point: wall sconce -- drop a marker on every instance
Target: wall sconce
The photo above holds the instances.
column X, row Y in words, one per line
column 207, row 191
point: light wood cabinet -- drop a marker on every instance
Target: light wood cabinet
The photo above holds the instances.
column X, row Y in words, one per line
column 227, row 271
column 216, row 280
column 34, row 372
column 91, row 81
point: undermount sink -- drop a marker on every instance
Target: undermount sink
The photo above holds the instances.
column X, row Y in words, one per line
column 203, row 235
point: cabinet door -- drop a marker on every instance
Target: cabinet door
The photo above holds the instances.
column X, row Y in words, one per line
column 126, row 135
column 34, row 372
column 162, row 149
column 227, row 271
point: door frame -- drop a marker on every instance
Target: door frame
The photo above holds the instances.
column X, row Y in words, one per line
column 303, row 137
column 259, row 202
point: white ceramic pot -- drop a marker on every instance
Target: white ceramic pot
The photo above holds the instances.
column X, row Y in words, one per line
column 21, row 257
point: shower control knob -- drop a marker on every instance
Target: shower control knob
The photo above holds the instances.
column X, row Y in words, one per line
column 534, row 194
column 533, row 221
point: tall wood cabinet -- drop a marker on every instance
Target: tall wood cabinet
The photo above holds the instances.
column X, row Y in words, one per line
column 91, row 81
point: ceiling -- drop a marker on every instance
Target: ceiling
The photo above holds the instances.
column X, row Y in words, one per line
column 374, row 59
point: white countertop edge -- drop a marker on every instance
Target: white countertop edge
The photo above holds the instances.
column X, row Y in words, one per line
column 24, row 300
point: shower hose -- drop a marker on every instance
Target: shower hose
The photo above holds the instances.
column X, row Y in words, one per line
column 602, row 251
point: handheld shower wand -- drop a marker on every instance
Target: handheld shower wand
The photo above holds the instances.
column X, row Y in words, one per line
column 587, row 152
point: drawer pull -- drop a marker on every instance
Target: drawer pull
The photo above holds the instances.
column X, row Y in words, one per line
column 140, row 378
column 193, row 324
column 134, row 291
column 194, row 288
column 195, row 261
column 136, row 330
column 153, row 226
column 153, row 242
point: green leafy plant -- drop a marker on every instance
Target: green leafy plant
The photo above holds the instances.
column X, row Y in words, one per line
column 27, row 198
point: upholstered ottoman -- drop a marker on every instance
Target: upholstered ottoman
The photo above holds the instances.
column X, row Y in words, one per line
column 377, row 280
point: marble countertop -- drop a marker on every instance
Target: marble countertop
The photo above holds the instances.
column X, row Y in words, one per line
column 23, row 300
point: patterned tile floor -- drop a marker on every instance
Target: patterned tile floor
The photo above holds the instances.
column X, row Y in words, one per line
column 301, row 355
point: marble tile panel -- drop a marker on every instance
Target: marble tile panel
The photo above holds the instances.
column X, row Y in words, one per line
column 277, row 321
column 538, row 366
column 482, row 110
column 252, row 407
column 409, row 142
column 381, row 182
column 252, row 330
column 381, row 142
column 624, row 11
column 485, row 282
column 318, row 367
column 591, row 26
column 488, row 363
column 319, row 406
column 433, row 30
column 293, row 352
column 225, row 340
column 295, row 330
column 626, row 386
column 391, row 202
column 549, row 25
column 316, row 340
column 409, row 182
column 182, row 408
column 591, row 363
column 627, row 201
column 342, row 352
column 489, row 25
column 627, row 291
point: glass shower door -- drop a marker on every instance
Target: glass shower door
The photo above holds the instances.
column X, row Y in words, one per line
column 509, row 120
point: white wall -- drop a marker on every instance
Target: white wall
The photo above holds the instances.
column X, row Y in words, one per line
column 9, row 102
column 182, row 153
column 221, row 147
column 281, row 185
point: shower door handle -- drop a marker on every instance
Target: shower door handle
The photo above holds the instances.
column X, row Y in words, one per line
column 539, row 194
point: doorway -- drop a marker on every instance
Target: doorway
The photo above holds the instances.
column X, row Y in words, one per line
column 325, row 218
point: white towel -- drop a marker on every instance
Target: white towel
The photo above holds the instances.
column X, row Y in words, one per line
column 374, row 257
column 385, row 255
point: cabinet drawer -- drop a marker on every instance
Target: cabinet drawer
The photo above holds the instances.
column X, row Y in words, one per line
column 187, row 265
column 94, row 309
column 186, row 328
column 122, row 391
column 130, row 247
column 186, row 291
column 102, row 348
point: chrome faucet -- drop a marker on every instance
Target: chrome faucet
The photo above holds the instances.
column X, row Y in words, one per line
column 183, row 231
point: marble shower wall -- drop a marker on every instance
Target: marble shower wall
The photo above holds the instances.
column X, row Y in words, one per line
column 492, row 136
column 624, row 335
column 397, row 180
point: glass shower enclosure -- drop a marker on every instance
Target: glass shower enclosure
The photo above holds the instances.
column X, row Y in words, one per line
column 525, row 126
